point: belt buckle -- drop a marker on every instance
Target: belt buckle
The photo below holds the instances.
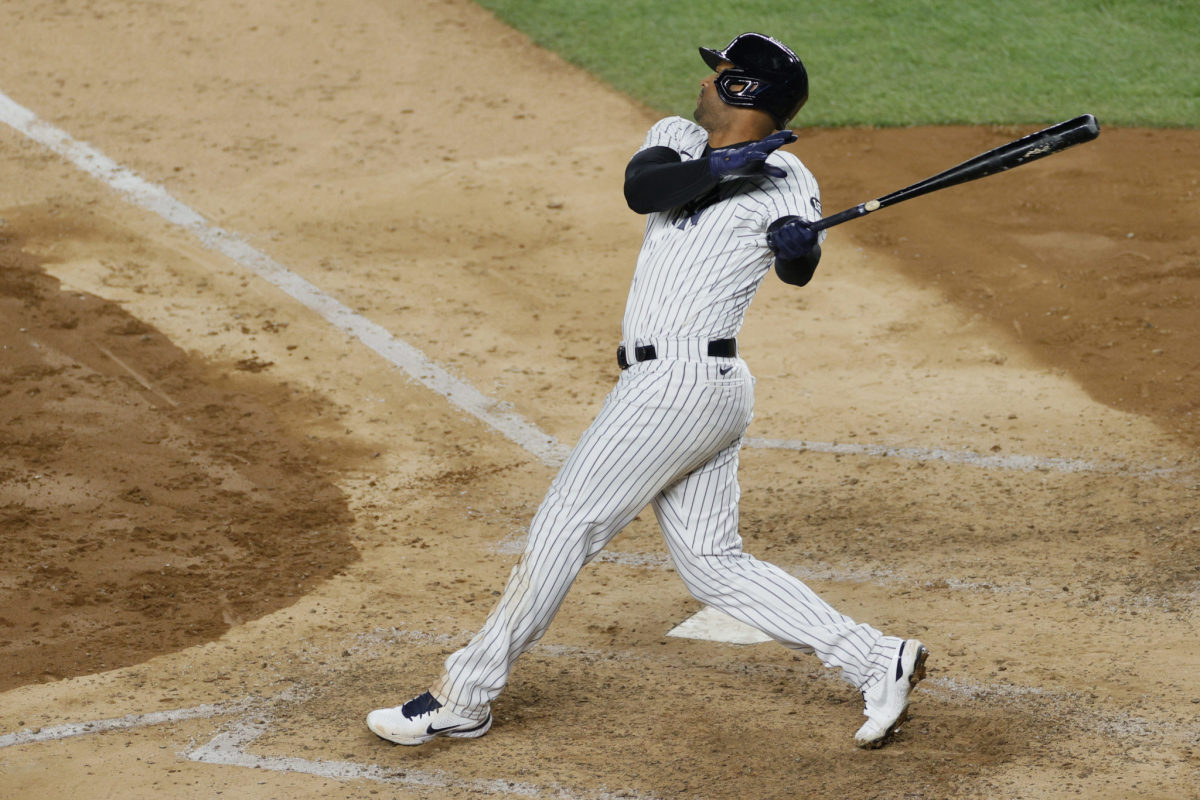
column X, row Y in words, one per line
column 642, row 352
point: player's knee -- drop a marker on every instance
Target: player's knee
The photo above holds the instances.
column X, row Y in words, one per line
column 704, row 574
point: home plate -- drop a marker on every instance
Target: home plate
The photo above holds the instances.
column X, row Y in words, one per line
column 712, row 625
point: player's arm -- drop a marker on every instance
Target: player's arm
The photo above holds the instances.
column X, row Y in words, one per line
column 796, row 250
column 658, row 179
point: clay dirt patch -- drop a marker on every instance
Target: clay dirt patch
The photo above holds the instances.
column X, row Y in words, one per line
column 147, row 501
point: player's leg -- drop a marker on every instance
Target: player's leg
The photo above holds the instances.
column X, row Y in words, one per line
column 699, row 518
column 566, row 532
column 662, row 420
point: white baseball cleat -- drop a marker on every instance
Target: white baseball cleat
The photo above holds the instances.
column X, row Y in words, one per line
column 886, row 703
column 421, row 719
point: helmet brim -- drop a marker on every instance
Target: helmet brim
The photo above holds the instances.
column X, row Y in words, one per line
column 714, row 58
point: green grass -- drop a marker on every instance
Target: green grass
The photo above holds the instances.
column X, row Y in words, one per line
column 902, row 62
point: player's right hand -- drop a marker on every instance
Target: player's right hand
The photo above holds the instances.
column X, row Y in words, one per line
column 750, row 159
column 792, row 240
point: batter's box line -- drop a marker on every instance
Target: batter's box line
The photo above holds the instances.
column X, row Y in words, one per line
column 229, row 749
column 127, row 722
column 970, row 458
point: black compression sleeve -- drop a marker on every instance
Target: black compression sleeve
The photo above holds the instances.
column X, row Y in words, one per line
column 657, row 179
column 800, row 271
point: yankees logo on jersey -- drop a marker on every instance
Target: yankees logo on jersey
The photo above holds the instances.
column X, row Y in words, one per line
column 699, row 286
column 688, row 215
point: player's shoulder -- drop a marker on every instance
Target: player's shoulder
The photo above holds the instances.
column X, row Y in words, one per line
column 793, row 165
column 790, row 159
column 681, row 135
column 676, row 124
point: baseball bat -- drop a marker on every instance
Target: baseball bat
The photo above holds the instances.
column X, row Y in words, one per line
column 1045, row 142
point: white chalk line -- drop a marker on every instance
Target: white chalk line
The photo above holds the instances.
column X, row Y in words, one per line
column 969, row 458
column 158, row 200
column 229, row 749
column 462, row 395
column 127, row 722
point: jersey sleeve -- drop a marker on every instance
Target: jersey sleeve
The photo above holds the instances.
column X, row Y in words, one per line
column 683, row 136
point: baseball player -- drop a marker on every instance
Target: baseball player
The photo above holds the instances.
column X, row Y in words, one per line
column 723, row 204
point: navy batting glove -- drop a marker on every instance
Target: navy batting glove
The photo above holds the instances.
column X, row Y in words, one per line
column 749, row 159
column 792, row 240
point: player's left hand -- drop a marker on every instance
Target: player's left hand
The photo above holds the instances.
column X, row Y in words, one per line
column 750, row 159
column 792, row 240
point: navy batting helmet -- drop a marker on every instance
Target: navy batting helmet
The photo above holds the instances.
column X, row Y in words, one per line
column 765, row 74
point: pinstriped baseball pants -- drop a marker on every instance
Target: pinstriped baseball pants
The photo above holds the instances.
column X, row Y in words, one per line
column 667, row 435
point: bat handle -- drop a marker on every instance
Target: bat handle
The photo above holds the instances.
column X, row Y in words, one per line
column 860, row 210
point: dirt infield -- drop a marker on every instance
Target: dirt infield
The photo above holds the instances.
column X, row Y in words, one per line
column 233, row 527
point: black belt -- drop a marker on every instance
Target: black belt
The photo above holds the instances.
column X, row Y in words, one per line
column 717, row 348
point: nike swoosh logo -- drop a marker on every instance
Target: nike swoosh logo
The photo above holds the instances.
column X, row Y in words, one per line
column 724, row 370
column 432, row 731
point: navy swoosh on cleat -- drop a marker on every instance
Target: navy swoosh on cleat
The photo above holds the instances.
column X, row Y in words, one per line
column 432, row 731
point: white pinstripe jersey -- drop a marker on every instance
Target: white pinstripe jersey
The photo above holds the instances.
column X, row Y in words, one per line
column 701, row 264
